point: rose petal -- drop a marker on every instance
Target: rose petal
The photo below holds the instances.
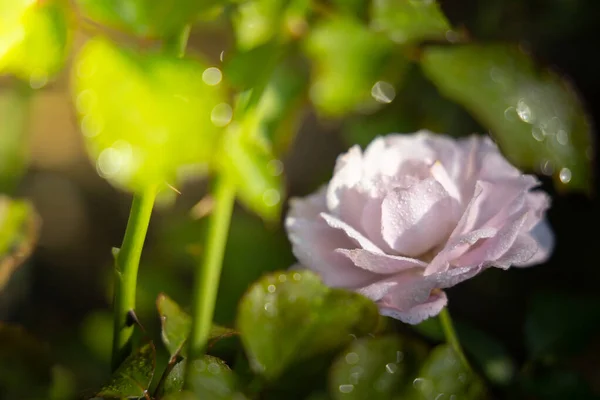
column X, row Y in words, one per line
column 544, row 239
column 380, row 263
column 521, row 251
column 351, row 233
column 343, row 197
column 417, row 314
column 416, row 219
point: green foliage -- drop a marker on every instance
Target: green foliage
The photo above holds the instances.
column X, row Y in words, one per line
column 534, row 115
column 132, row 379
column 34, row 39
column 287, row 317
column 147, row 117
column 146, row 18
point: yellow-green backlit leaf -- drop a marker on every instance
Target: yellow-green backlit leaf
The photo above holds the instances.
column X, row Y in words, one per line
column 33, row 39
column 147, row 117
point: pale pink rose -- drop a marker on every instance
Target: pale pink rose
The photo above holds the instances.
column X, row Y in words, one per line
column 414, row 214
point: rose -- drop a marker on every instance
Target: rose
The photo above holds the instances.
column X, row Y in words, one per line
column 415, row 214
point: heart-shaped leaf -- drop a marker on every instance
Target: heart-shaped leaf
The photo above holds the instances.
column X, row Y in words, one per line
column 176, row 325
column 132, row 379
column 147, row 117
column 19, row 226
column 290, row 316
column 345, row 75
column 407, row 21
column 534, row 115
column 371, row 368
column 34, row 39
column 211, row 378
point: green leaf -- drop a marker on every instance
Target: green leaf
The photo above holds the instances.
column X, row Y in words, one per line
column 344, row 75
column 34, row 39
column 19, row 228
column 369, row 369
column 409, row 21
column 443, row 373
column 559, row 325
column 251, row 165
column 147, row 118
column 25, row 365
column 290, row 316
column 211, row 378
column 132, row 379
column 146, row 18
column 176, row 325
column 534, row 115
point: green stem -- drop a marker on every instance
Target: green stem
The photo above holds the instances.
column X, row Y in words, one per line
column 127, row 262
column 452, row 338
column 176, row 44
column 15, row 108
column 206, row 281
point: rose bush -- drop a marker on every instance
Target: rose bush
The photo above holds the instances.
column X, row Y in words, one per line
column 414, row 214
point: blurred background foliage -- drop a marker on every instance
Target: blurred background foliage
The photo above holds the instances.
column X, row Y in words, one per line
column 276, row 89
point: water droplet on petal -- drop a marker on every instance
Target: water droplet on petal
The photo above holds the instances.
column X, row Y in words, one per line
column 212, row 76
column 565, row 175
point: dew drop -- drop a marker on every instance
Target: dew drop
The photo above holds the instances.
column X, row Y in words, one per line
column 270, row 309
column 538, row 133
column 275, row 167
column 85, row 101
column 271, row 288
column 38, row 80
column 391, row 368
column 346, row 388
column 547, row 167
column 352, row 358
column 383, row 92
column 562, row 137
column 221, row 114
column 271, row 197
column 109, row 162
column 296, row 276
column 524, row 112
column 282, row 278
column 212, row 76
column 213, row 368
column 565, row 175
column 222, row 55
column 91, row 127
column 418, row 383
column 510, row 114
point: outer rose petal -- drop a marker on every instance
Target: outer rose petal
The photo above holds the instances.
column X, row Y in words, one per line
column 380, row 263
column 417, row 314
column 544, row 238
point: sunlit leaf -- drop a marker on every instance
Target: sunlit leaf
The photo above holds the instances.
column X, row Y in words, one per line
column 407, row 21
column 251, row 165
column 290, row 316
column 344, row 75
column 19, row 226
column 443, row 373
column 34, row 39
column 371, row 368
column 211, row 378
column 25, row 366
column 176, row 325
column 560, row 325
column 132, row 379
column 146, row 18
column 147, row 117
column 534, row 115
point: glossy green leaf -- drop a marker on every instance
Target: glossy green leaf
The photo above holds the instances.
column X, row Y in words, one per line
column 146, row 18
column 289, row 316
column 370, row 368
column 560, row 325
column 211, row 379
column 19, row 228
column 344, row 75
column 34, row 39
column 250, row 164
column 443, row 373
column 534, row 115
column 146, row 117
column 132, row 379
column 25, row 365
column 408, row 21
column 176, row 325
